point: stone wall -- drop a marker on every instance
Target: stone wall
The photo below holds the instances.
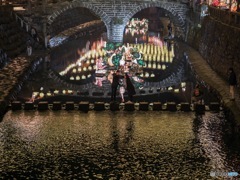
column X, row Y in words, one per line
column 218, row 44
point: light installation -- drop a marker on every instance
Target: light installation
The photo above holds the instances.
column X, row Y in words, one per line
column 137, row 27
column 141, row 61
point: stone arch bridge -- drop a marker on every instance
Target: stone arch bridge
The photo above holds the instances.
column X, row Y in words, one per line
column 116, row 14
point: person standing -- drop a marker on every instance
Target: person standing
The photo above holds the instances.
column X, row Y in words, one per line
column 232, row 80
column 29, row 50
column 130, row 88
column 122, row 87
column 115, row 83
column 197, row 97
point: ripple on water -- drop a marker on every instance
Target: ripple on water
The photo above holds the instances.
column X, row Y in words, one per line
column 105, row 145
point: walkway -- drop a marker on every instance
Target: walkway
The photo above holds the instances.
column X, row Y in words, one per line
column 206, row 73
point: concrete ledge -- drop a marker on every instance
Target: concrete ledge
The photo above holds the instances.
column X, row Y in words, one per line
column 143, row 106
column 43, row 105
column 185, row 106
column 129, row 106
column 157, row 106
column 83, row 106
column 114, row 106
column 69, row 105
column 16, row 105
column 171, row 106
column 28, row 106
column 57, row 105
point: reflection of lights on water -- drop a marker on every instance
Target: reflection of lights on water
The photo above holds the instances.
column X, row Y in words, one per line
column 210, row 140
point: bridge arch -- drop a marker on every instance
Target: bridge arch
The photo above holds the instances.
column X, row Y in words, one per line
column 94, row 9
column 177, row 13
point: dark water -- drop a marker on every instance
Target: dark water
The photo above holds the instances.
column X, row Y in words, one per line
column 114, row 145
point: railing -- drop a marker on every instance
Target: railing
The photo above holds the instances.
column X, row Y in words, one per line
column 225, row 16
column 27, row 27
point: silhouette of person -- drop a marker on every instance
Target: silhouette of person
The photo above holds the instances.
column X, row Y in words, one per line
column 115, row 83
column 232, row 80
column 130, row 88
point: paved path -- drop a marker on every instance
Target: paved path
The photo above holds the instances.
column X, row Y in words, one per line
column 207, row 74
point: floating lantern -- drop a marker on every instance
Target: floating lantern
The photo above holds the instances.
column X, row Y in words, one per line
column 77, row 78
column 71, row 78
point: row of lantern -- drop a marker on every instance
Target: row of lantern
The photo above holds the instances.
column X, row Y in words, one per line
column 147, row 75
column 155, row 66
column 42, row 94
column 154, row 49
column 94, row 54
column 158, row 58
column 78, row 78
column 90, row 56
column 84, row 69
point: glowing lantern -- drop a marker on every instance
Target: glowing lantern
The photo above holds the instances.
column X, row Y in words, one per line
column 163, row 66
column 146, row 74
column 41, row 95
column 152, row 75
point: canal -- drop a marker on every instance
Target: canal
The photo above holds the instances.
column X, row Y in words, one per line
column 116, row 145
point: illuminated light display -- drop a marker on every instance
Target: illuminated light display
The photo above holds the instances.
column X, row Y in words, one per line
column 137, row 27
column 142, row 62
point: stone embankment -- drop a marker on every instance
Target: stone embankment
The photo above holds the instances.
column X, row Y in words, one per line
column 207, row 74
column 13, row 75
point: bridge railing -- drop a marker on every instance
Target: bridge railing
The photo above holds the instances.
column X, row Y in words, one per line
column 225, row 16
column 28, row 27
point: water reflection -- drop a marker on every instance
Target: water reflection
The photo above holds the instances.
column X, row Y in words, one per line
column 117, row 145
